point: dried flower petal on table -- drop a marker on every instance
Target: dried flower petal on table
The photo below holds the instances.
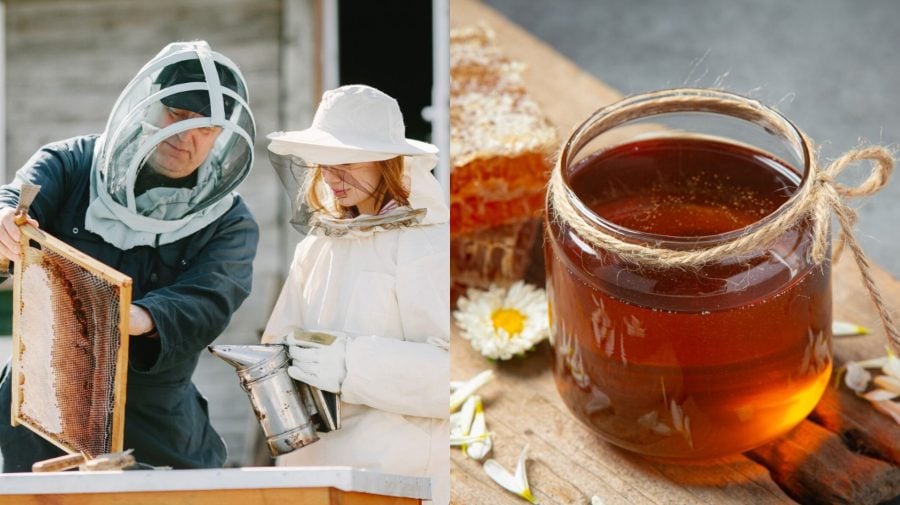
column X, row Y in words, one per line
column 516, row 484
column 469, row 430
column 857, row 378
column 461, row 422
column 502, row 323
column 465, row 390
column 464, row 440
column 845, row 329
column 887, row 386
column 478, row 450
column 888, row 383
column 880, row 395
column 891, row 366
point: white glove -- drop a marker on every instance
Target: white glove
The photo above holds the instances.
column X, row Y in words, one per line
column 319, row 365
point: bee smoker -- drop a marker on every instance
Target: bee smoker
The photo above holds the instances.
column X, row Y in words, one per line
column 289, row 412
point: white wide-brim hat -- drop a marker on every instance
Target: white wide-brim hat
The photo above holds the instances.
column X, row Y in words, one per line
column 354, row 124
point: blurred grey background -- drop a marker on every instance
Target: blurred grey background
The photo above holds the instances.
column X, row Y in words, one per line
column 831, row 66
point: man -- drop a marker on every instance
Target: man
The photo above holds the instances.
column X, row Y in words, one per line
column 153, row 197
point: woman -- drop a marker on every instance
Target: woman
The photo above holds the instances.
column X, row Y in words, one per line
column 374, row 272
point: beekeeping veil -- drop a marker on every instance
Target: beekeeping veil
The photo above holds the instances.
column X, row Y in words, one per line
column 185, row 90
column 354, row 123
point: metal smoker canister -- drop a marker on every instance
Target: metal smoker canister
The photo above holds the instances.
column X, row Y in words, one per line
column 286, row 419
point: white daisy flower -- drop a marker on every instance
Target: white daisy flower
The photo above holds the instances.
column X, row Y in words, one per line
column 502, row 323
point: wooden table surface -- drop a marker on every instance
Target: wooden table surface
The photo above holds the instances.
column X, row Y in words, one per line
column 221, row 486
column 567, row 462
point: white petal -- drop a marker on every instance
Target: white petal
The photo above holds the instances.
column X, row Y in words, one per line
column 888, row 383
column 517, row 483
column 857, row 377
column 478, row 450
column 599, row 401
column 520, row 466
column 461, row 422
column 677, row 416
column 880, row 395
column 469, row 387
column 661, row 428
column 892, row 367
column 595, row 500
column 501, row 476
column 649, row 419
column 459, row 440
column 845, row 329
column 890, row 408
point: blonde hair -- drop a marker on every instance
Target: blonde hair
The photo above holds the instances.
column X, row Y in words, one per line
column 390, row 187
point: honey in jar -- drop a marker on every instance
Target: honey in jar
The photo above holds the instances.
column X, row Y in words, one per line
column 675, row 362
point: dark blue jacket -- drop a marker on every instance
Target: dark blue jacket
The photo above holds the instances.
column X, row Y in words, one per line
column 191, row 288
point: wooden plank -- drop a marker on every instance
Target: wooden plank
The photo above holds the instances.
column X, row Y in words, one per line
column 16, row 351
column 815, row 466
column 347, row 483
column 307, row 496
column 96, row 267
column 120, row 380
column 852, row 418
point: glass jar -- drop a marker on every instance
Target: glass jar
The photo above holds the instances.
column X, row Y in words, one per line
column 686, row 362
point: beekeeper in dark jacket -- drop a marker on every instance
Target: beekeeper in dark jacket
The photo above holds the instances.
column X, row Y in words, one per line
column 153, row 197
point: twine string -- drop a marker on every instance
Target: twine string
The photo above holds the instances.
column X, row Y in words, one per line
column 817, row 197
column 882, row 166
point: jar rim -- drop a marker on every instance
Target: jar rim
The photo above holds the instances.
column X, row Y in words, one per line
column 680, row 100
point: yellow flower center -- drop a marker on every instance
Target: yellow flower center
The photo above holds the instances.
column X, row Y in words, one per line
column 510, row 320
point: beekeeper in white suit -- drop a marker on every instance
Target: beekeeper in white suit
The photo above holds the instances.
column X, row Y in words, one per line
column 374, row 272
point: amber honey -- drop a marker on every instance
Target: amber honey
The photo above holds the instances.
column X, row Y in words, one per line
column 688, row 363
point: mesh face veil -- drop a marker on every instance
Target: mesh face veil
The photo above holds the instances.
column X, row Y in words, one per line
column 299, row 179
column 179, row 139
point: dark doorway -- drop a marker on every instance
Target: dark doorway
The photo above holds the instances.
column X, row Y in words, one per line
column 388, row 45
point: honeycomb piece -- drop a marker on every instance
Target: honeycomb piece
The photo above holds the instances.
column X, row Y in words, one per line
column 500, row 141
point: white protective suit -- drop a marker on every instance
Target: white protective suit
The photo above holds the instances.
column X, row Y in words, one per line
column 388, row 291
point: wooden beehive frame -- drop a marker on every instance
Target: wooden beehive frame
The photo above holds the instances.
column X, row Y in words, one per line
column 47, row 242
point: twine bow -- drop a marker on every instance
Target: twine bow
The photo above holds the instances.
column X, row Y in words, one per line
column 830, row 196
column 816, row 198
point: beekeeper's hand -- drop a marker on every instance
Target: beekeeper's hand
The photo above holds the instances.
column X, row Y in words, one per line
column 318, row 364
column 10, row 234
column 140, row 322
